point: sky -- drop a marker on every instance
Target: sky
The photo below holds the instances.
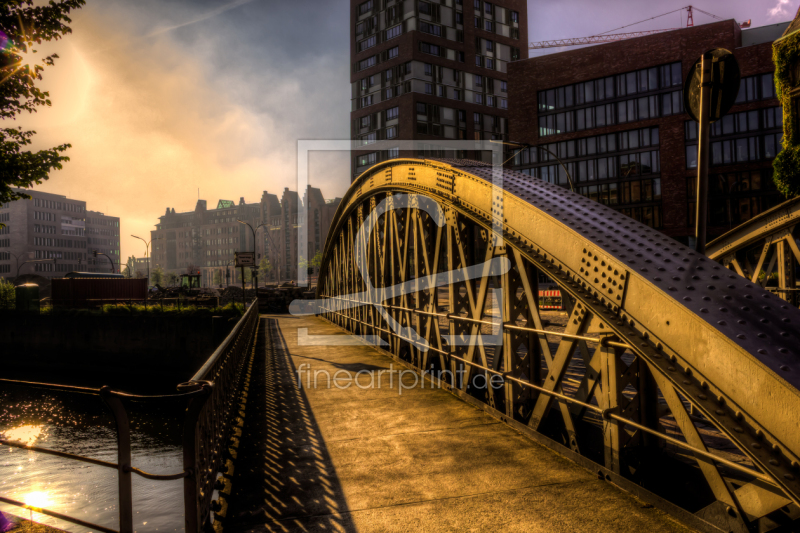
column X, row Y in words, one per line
column 162, row 98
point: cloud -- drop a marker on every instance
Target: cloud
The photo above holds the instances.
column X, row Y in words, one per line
column 201, row 18
column 152, row 120
column 781, row 10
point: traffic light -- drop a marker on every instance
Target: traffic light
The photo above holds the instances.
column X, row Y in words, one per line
column 310, row 270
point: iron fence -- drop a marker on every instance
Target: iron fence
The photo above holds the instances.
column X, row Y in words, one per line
column 208, row 422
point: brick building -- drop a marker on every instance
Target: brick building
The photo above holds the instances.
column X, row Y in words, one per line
column 54, row 227
column 431, row 70
column 206, row 240
column 613, row 114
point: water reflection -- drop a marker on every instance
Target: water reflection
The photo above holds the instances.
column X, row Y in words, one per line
column 81, row 424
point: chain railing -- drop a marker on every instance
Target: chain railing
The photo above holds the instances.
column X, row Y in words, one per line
column 209, row 398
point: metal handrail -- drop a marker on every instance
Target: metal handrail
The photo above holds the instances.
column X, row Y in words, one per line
column 206, row 428
column 605, row 413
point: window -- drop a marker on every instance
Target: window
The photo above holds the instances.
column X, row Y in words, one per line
column 369, row 138
column 478, row 98
column 477, row 5
column 422, row 109
column 461, row 56
column 514, row 16
column 394, row 152
column 503, row 103
column 462, row 115
column 489, row 46
column 367, row 43
column 489, row 63
column 391, row 53
column 478, row 80
column 392, row 113
column 488, row 25
column 441, row 90
column 459, row 17
column 487, row 7
column 366, row 101
column 425, row 8
column 432, row 49
column 476, row 118
column 365, row 7
column 503, row 86
column 388, row 93
column 394, row 31
column 365, row 121
column 368, row 159
column 428, row 69
column 478, row 61
column 367, row 63
column 456, row 94
column 391, row 132
column 428, row 88
column 490, row 100
column 433, row 29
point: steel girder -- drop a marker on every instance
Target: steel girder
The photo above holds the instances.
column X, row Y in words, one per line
column 684, row 341
column 770, row 239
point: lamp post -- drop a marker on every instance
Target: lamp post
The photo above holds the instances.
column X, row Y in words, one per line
column 96, row 253
column 147, row 253
column 53, row 260
column 18, row 257
column 255, row 276
column 277, row 253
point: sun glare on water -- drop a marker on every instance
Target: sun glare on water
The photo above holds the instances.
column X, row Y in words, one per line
column 38, row 499
column 24, row 434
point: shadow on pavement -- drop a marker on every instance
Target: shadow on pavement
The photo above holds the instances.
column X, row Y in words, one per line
column 284, row 479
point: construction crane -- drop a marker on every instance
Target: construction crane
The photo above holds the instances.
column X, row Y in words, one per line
column 608, row 37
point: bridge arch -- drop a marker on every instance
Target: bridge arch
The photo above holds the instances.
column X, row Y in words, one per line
column 667, row 357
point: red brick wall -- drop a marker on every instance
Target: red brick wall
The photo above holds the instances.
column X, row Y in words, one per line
column 528, row 77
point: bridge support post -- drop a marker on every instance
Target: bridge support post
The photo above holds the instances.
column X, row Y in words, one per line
column 610, row 402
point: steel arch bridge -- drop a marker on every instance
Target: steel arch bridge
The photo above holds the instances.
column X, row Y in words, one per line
column 671, row 375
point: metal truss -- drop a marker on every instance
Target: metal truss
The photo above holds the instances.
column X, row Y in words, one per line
column 670, row 375
column 769, row 241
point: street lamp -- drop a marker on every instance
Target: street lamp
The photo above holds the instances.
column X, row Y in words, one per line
column 18, row 257
column 53, row 260
column 277, row 253
column 147, row 253
column 255, row 277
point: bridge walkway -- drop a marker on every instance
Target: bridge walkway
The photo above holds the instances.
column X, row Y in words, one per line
column 378, row 458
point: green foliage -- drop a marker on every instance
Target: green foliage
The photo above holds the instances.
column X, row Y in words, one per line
column 171, row 279
column 785, row 54
column 153, row 309
column 20, row 70
column 7, row 295
column 217, row 277
column 157, row 275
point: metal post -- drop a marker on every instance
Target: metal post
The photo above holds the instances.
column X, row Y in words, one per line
column 123, row 459
column 703, row 134
column 191, row 451
column 244, row 298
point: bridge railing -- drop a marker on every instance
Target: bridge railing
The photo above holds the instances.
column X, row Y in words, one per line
column 210, row 398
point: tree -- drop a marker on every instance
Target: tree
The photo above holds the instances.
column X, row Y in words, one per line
column 217, row 277
column 263, row 268
column 157, row 275
column 7, row 294
column 22, row 26
column 130, row 267
column 171, row 279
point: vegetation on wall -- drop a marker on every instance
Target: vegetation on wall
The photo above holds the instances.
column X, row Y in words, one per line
column 7, row 295
column 786, row 54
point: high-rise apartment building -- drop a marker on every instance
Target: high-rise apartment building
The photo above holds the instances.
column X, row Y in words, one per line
column 431, row 71
column 54, row 227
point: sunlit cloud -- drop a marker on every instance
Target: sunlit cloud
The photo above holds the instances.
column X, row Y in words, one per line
column 781, row 10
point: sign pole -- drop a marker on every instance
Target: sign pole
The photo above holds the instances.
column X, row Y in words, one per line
column 244, row 298
column 703, row 134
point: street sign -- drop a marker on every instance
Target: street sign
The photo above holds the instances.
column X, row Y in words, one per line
column 725, row 80
column 244, row 259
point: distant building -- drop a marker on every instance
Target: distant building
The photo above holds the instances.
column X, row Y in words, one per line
column 205, row 240
column 613, row 114
column 140, row 265
column 102, row 235
column 431, row 71
column 53, row 227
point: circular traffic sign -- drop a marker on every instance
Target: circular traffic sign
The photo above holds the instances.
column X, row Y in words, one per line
column 725, row 80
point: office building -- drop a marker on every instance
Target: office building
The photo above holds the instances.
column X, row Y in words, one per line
column 431, row 71
column 613, row 115
column 51, row 235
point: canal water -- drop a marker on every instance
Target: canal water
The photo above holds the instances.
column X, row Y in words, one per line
column 82, row 424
